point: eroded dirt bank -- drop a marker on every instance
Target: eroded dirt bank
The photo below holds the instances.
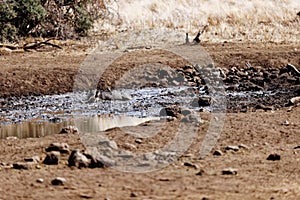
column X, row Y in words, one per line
column 36, row 73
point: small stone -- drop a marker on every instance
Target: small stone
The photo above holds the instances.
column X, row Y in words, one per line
column 232, row 148
column 35, row 159
column 138, row 141
column 202, row 101
column 187, row 164
column 229, row 171
column 186, row 112
column 58, row 181
column 129, row 146
column 40, row 180
column 52, row 158
column 79, row 160
column 243, row 146
column 200, row 173
column 133, row 194
column 69, row 130
column 172, row 111
column 23, row 165
column 274, row 157
column 61, row 147
column 286, row 123
column 11, row 138
column 294, row 101
column 263, row 107
column 218, row 153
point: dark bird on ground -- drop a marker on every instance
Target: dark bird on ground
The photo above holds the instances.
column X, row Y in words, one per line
column 197, row 39
column 187, row 41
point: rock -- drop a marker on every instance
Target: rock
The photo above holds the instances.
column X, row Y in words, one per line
column 115, row 95
column 186, row 112
column 218, row 153
column 298, row 147
column 23, row 165
column 129, row 146
column 243, row 146
column 202, row 101
column 79, row 160
column 229, row 171
column 40, row 180
column 61, row 147
column 274, row 157
column 69, row 130
column 35, row 159
column 133, row 194
column 162, row 73
column 187, row 164
column 98, row 160
column 260, row 81
column 138, row 141
column 11, row 138
column 232, row 148
column 58, row 181
column 172, row 111
column 200, row 173
column 52, row 158
column 294, row 101
column 263, row 107
column 293, row 69
column 286, row 123
column 5, row 51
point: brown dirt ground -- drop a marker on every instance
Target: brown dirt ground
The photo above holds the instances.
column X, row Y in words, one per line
column 263, row 132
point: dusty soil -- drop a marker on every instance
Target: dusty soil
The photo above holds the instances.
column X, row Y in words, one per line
column 263, row 132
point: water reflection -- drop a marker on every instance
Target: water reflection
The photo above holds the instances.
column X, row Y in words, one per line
column 86, row 124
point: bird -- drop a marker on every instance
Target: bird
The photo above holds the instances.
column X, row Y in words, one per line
column 187, row 41
column 200, row 32
column 197, row 39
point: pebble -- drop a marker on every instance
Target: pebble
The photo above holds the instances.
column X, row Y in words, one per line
column 218, row 153
column 172, row 111
column 58, row 181
column 138, row 141
column 52, row 158
column 40, row 180
column 23, row 165
column 11, row 138
column 129, row 146
column 286, row 123
column 232, row 148
column 274, row 157
column 243, row 146
column 61, row 147
column 35, row 159
column 200, row 173
column 187, row 164
column 229, row 171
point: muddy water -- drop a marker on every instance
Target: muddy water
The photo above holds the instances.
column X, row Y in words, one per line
column 39, row 116
column 87, row 124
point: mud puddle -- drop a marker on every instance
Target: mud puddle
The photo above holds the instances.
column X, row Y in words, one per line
column 37, row 116
column 36, row 128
